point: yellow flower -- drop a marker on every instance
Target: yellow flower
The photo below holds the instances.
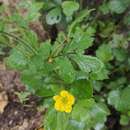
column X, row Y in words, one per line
column 64, row 101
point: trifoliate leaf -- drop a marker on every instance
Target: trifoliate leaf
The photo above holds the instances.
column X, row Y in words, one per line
column 69, row 7
column 53, row 16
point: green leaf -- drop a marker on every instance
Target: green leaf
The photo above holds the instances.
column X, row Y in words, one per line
column 91, row 113
column 82, row 106
column 104, row 53
column 53, row 16
column 65, row 69
column 104, row 8
column 119, row 40
column 124, row 101
column 76, row 125
column 82, row 89
column 101, row 75
column 116, row 6
column 2, row 26
column 69, row 7
column 58, row 1
column 120, row 99
column 124, row 120
column 50, row 120
column 44, row 50
column 88, row 63
column 120, row 54
column 31, row 80
column 18, row 19
column 56, row 120
column 16, row 60
column 106, row 28
column 80, row 17
column 82, row 39
column 99, row 113
column 44, row 91
column 114, row 98
column 32, row 9
column 31, row 38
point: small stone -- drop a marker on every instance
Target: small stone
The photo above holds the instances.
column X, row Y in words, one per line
column 3, row 101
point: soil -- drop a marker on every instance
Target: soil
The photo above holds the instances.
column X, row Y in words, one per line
column 17, row 116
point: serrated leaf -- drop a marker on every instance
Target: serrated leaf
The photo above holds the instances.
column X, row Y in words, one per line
column 81, row 16
column 88, row 63
column 82, row 39
column 65, row 69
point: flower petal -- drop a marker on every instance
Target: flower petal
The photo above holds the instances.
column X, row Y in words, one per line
column 71, row 99
column 68, row 109
column 57, row 97
column 64, row 93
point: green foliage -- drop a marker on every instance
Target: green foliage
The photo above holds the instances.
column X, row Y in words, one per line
column 92, row 114
column 53, row 16
column 88, row 63
column 23, row 96
column 124, row 120
column 116, row 6
column 65, row 69
column 104, row 53
column 82, row 89
column 58, row 9
column 69, row 7
column 120, row 99
column 88, row 57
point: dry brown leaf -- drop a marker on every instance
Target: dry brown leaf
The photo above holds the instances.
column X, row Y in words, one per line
column 3, row 101
column 2, row 66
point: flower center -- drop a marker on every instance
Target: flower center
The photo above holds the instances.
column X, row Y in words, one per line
column 64, row 100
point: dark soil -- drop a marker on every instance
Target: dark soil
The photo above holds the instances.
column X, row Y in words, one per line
column 17, row 116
